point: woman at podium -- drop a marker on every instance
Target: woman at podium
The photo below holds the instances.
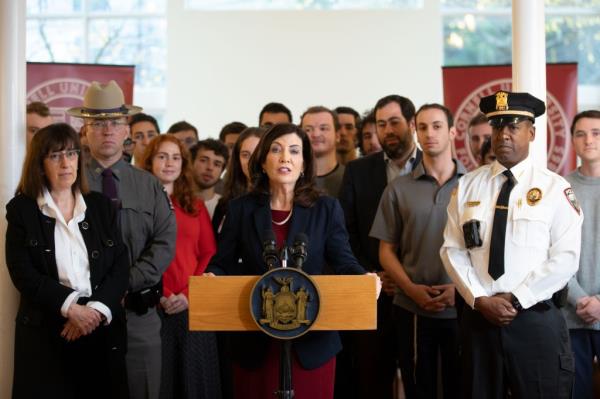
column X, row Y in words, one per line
column 282, row 203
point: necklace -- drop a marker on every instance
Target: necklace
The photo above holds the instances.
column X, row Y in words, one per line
column 284, row 221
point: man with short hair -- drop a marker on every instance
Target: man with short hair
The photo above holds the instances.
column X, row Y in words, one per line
column 582, row 311
column 147, row 224
column 478, row 132
column 511, row 244
column 143, row 128
column 410, row 222
column 322, row 126
column 372, row 353
column 229, row 134
column 349, row 121
column 185, row 132
column 274, row 113
column 209, row 158
column 38, row 117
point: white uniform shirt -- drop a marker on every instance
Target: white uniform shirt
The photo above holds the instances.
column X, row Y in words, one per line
column 71, row 254
column 543, row 237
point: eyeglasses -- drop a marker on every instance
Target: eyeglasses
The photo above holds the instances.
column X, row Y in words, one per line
column 57, row 156
column 99, row 126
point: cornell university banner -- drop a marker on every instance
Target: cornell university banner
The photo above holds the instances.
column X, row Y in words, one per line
column 464, row 86
column 62, row 86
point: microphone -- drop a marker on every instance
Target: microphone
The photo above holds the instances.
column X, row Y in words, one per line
column 270, row 249
column 299, row 249
column 285, row 256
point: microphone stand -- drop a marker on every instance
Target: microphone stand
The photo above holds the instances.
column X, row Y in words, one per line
column 285, row 356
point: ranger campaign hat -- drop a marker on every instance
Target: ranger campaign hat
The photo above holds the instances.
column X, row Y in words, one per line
column 505, row 107
column 104, row 101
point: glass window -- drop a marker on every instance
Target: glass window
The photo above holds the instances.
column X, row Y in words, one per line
column 301, row 4
column 47, row 41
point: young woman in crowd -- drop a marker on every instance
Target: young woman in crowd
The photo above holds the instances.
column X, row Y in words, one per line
column 190, row 362
column 237, row 177
column 66, row 257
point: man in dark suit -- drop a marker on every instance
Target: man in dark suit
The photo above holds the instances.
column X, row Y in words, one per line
column 368, row 363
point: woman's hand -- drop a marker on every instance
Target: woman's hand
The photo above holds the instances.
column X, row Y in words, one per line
column 84, row 318
column 379, row 284
column 209, row 274
column 175, row 304
column 70, row 332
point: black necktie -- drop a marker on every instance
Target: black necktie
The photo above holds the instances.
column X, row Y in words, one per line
column 109, row 188
column 496, row 265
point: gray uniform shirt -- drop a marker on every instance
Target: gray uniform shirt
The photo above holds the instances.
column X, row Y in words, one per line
column 586, row 281
column 146, row 219
column 412, row 213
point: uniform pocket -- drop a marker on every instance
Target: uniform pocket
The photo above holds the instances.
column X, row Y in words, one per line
column 530, row 226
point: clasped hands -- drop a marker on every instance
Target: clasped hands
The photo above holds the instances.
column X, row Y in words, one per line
column 497, row 309
column 81, row 320
column 588, row 309
column 174, row 303
column 434, row 298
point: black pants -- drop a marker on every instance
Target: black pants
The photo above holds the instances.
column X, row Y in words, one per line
column 366, row 366
column 530, row 358
column 422, row 342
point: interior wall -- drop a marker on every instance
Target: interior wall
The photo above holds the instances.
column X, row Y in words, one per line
column 225, row 66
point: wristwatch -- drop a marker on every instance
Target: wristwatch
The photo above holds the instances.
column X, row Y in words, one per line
column 516, row 304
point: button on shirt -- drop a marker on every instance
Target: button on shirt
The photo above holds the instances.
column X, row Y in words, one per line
column 71, row 253
column 543, row 235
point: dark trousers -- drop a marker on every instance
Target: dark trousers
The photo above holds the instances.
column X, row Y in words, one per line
column 366, row 366
column 530, row 358
column 586, row 345
column 422, row 342
column 190, row 361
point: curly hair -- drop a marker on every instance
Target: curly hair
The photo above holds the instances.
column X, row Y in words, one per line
column 184, row 186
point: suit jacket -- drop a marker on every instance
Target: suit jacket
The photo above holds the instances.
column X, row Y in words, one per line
column 32, row 266
column 247, row 220
column 363, row 184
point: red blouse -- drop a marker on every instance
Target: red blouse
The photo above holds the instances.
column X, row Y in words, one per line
column 194, row 247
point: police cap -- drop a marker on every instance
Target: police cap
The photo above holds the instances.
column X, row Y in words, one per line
column 505, row 107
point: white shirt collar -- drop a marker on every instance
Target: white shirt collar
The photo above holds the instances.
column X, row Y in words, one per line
column 517, row 170
column 49, row 208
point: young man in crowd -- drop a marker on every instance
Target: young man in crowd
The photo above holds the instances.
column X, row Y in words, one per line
column 185, row 132
column 229, row 134
column 371, row 354
column 583, row 306
column 143, row 128
column 38, row 117
column 209, row 159
column 367, row 135
column 410, row 223
column 147, row 225
column 479, row 131
column 274, row 113
column 349, row 121
column 322, row 126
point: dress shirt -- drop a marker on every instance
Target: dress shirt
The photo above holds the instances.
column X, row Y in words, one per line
column 543, row 237
column 71, row 253
column 392, row 170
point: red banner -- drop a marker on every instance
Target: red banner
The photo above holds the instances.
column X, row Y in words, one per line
column 62, row 86
column 465, row 86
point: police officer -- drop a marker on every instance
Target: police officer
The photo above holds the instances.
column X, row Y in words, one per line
column 512, row 241
column 147, row 224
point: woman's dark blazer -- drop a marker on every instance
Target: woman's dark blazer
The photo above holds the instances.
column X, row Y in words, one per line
column 31, row 261
column 246, row 223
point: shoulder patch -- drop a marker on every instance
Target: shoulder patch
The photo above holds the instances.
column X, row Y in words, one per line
column 454, row 191
column 570, row 194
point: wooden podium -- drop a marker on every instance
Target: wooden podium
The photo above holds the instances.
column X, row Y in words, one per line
column 222, row 303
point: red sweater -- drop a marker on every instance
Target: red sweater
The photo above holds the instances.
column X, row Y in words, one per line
column 194, row 247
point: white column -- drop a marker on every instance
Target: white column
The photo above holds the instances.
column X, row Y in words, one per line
column 12, row 148
column 529, row 63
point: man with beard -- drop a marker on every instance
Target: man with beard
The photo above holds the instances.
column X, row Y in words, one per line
column 372, row 353
column 209, row 158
